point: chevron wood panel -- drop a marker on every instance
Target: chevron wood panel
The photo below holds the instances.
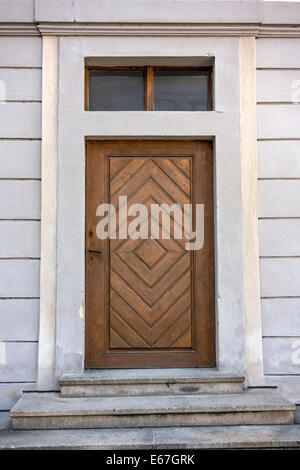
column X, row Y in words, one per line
column 149, row 302
column 150, row 277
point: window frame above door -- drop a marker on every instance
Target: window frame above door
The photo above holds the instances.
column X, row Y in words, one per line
column 149, row 75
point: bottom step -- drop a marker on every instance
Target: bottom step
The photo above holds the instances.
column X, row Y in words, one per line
column 51, row 411
column 206, row 437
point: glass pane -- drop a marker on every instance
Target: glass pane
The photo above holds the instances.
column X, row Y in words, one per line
column 116, row 90
column 181, row 90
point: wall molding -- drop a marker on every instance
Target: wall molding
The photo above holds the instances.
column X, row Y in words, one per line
column 19, row 29
column 47, row 329
column 150, row 29
column 164, row 29
column 251, row 269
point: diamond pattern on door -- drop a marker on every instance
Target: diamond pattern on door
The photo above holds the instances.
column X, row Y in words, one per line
column 150, row 252
column 150, row 280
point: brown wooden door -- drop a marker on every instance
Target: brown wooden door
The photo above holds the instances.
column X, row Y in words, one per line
column 149, row 302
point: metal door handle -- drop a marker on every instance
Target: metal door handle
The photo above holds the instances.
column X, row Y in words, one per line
column 95, row 251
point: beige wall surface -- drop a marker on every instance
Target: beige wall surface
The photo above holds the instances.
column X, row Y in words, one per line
column 20, row 154
column 278, row 98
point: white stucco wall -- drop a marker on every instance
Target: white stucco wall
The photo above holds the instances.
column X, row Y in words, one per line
column 20, row 163
column 278, row 98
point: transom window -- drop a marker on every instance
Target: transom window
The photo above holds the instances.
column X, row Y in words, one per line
column 148, row 89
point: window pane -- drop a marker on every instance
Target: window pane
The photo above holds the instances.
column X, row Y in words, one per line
column 116, row 90
column 180, row 90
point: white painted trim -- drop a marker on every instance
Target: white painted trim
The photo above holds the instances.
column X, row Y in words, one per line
column 159, row 29
column 251, row 279
column 75, row 125
column 151, row 18
column 47, row 334
column 164, row 29
column 19, row 29
column 86, row 124
column 246, row 12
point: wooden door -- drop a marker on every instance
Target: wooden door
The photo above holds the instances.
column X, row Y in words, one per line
column 149, row 302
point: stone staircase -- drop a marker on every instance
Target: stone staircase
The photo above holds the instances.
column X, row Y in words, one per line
column 151, row 398
column 153, row 409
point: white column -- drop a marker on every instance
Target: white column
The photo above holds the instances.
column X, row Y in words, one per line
column 251, row 279
column 46, row 352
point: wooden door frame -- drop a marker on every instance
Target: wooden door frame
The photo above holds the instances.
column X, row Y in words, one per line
column 203, row 354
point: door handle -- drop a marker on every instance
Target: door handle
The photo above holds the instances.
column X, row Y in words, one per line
column 94, row 251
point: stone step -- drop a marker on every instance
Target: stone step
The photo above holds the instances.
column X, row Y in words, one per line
column 201, row 437
column 51, row 411
column 129, row 382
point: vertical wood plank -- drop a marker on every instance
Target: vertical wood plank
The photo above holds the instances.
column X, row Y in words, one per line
column 86, row 89
column 204, row 259
column 96, row 288
column 149, row 89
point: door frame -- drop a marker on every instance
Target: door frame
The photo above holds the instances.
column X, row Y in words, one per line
column 66, row 126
